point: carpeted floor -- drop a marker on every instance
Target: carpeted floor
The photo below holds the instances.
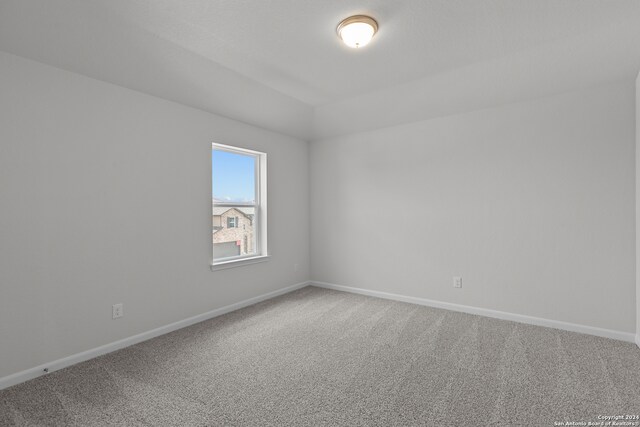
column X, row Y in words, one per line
column 321, row 357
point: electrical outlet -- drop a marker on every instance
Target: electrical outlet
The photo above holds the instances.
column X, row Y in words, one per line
column 117, row 310
column 457, row 282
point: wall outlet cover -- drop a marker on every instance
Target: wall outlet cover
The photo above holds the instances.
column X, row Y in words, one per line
column 117, row 310
column 457, row 282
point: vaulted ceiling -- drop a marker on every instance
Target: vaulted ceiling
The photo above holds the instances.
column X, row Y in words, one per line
column 278, row 63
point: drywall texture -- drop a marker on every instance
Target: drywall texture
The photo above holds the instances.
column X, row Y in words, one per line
column 638, row 210
column 106, row 198
column 531, row 203
column 69, row 34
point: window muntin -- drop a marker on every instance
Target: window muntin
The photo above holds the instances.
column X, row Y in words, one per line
column 239, row 203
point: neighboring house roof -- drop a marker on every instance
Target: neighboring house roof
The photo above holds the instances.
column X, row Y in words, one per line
column 248, row 211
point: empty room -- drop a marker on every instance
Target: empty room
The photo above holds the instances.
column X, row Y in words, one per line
column 319, row 213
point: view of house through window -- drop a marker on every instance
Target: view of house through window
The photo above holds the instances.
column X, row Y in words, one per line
column 236, row 202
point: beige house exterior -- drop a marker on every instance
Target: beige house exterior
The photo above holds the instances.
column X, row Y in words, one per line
column 233, row 233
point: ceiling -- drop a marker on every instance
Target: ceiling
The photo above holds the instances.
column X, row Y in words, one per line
column 284, row 55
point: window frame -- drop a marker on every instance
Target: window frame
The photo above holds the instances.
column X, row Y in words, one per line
column 259, row 221
column 232, row 220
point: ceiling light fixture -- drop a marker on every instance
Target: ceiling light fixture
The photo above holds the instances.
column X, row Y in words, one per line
column 357, row 31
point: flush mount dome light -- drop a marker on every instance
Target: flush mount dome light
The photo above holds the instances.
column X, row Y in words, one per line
column 357, row 31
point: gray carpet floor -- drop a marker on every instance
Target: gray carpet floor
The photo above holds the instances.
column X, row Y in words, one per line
column 321, row 357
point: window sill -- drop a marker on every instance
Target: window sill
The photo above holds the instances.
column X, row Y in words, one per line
column 239, row 262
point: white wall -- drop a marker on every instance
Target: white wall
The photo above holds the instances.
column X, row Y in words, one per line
column 532, row 203
column 105, row 196
column 638, row 210
column 89, row 38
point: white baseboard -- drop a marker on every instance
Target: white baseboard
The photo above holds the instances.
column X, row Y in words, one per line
column 55, row 365
column 556, row 324
column 638, row 339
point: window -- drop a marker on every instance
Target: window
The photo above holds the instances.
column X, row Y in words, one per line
column 238, row 181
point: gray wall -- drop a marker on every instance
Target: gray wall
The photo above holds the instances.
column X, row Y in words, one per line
column 531, row 203
column 106, row 198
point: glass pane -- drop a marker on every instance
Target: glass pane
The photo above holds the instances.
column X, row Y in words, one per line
column 233, row 182
column 234, row 177
column 233, row 231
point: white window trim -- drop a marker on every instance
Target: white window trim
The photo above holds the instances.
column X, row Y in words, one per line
column 260, row 217
column 223, row 265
